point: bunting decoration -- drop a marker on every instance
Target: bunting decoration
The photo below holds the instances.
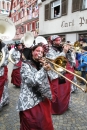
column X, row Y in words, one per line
column 19, row 10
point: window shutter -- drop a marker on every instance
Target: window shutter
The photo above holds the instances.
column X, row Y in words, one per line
column 81, row 2
column 47, row 12
column 18, row 15
column 64, row 7
column 19, row 30
column 75, row 5
column 33, row 26
column 27, row 27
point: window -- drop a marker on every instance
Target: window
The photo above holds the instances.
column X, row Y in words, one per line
column 27, row 10
column 17, row 31
column 7, row 5
column 18, row 2
column 17, row 17
column 84, row 4
column 27, row 27
column 3, row 5
column 56, row 9
column 33, row 26
column 30, row 27
column 83, row 37
column 79, row 5
column 22, row 13
column 22, row 29
column 37, row 25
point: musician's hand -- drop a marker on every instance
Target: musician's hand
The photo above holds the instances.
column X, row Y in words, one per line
column 47, row 66
column 66, row 48
column 42, row 61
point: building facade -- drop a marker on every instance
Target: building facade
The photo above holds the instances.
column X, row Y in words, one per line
column 5, row 7
column 25, row 15
column 67, row 18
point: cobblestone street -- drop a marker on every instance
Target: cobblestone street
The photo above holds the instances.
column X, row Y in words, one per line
column 75, row 118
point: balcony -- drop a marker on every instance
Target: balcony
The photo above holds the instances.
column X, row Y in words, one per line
column 21, row 4
column 4, row 12
column 33, row 15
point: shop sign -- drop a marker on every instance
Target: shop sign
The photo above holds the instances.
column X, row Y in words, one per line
column 81, row 20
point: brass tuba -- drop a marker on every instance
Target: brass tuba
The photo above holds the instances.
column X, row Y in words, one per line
column 7, row 33
column 2, row 57
column 7, row 28
column 10, row 56
column 28, row 39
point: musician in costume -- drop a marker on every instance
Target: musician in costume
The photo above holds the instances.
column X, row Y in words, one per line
column 35, row 95
column 4, row 96
column 16, row 57
column 72, row 63
column 61, row 87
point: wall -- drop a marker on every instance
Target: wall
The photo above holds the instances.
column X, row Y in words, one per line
column 72, row 22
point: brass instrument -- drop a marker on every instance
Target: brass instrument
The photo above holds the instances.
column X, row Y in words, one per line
column 1, row 56
column 77, row 47
column 7, row 33
column 10, row 56
column 28, row 39
column 60, row 62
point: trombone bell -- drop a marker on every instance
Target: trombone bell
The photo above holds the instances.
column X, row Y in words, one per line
column 61, row 61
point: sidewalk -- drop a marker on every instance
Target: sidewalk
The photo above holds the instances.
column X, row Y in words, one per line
column 75, row 118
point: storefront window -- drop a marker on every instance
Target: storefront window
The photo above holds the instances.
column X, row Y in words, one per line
column 83, row 38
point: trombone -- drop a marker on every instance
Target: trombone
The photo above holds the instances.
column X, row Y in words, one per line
column 60, row 62
column 77, row 47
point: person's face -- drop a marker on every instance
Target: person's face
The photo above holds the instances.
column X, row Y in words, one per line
column 69, row 46
column 37, row 53
column 57, row 41
column 19, row 46
column 55, row 12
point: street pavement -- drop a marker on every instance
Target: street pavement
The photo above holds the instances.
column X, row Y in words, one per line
column 75, row 118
